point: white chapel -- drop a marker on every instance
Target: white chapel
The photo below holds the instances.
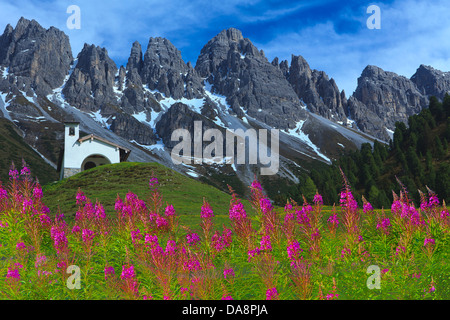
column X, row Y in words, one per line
column 88, row 152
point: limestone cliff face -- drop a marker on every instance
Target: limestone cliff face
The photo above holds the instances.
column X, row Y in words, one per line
column 235, row 68
column 38, row 58
column 314, row 88
column 383, row 98
column 432, row 82
column 91, row 82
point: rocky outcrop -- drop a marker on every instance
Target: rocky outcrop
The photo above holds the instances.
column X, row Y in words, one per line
column 164, row 70
column 92, row 80
column 129, row 128
column 320, row 94
column 432, row 82
column 383, row 98
column 180, row 116
column 39, row 58
column 234, row 67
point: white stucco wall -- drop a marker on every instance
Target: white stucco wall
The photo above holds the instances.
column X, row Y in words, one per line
column 75, row 152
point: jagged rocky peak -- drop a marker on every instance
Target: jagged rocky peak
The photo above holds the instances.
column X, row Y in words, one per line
column 164, row 70
column 432, row 82
column 136, row 60
column 41, row 55
column 235, row 68
column 320, row 93
column 229, row 44
column 92, row 80
column 382, row 98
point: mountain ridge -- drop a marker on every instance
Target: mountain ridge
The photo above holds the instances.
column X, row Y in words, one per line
column 232, row 84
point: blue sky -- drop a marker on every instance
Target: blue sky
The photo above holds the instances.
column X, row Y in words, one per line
column 331, row 35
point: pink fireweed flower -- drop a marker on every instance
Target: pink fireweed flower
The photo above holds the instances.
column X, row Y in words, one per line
column 227, row 298
column 207, row 211
column 20, row 246
column 87, row 235
column 428, row 241
column 228, row 273
column 192, row 265
column 265, row 205
column 271, row 294
column 130, row 197
column 288, row 207
column 333, row 219
column 76, row 229
column 3, row 193
column 25, row 171
column 400, row 250
column 252, row 253
column 237, row 212
column 170, row 211
column 256, row 185
column 13, row 174
column 127, row 211
column 220, row 242
column 434, row 201
column 192, row 238
column 153, row 182
column 37, row 192
column 80, row 197
column 3, row 225
column 444, row 213
column 266, row 245
column 294, row 250
column 396, row 207
column 40, row 261
column 367, row 207
column 109, row 271
column 302, row 217
column 332, row 296
column 161, row 222
column 424, row 206
column 318, row 199
column 171, row 248
column 307, row 208
column 384, row 225
column 135, row 235
column 27, row 204
column 348, row 201
column 13, row 274
column 128, row 273
column 59, row 239
column 118, row 205
column 151, row 240
column 99, row 211
column 289, row 217
column 45, row 220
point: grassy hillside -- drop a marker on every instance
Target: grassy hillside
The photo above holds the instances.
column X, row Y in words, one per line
column 106, row 182
column 14, row 148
